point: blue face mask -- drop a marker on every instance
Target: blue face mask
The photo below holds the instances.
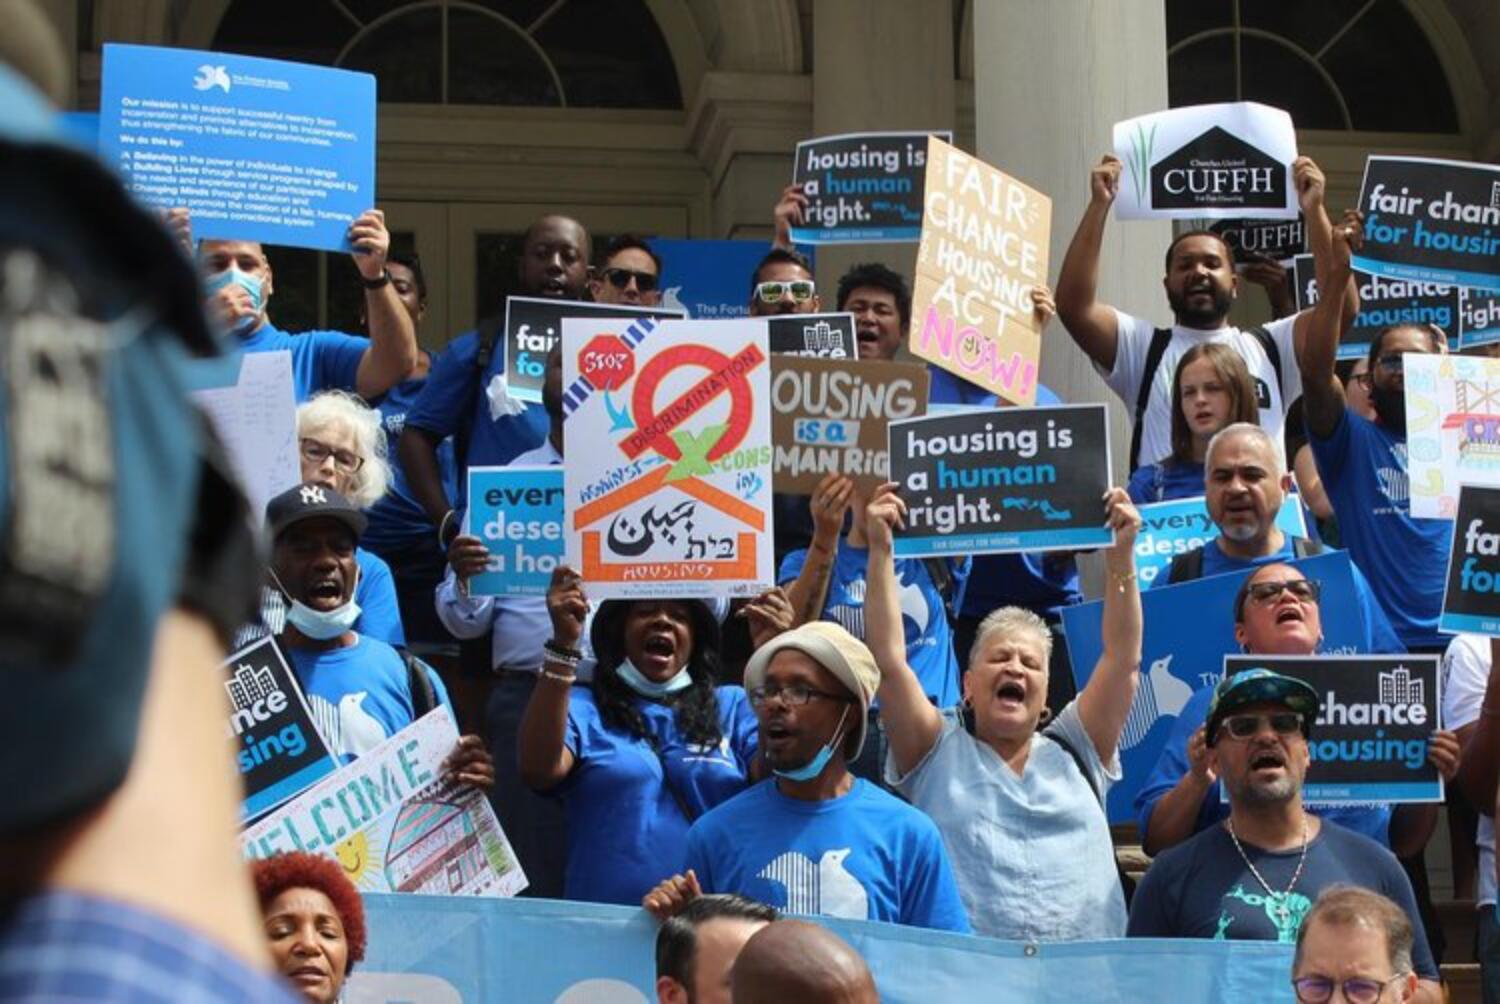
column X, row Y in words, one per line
column 636, row 681
column 321, row 625
column 815, row 766
column 251, row 284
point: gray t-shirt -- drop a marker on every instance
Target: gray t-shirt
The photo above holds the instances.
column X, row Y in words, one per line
column 1032, row 853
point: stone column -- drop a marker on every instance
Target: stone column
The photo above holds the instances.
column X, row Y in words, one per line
column 879, row 65
column 1050, row 79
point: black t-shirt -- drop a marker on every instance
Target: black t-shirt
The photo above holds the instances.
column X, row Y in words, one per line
column 1202, row 888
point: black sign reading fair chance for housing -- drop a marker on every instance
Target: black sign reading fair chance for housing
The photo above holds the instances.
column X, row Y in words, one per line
column 534, row 324
column 1436, row 220
column 279, row 749
column 862, row 187
column 1016, row 479
column 1471, row 601
column 1218, row 170
column 1369, row 743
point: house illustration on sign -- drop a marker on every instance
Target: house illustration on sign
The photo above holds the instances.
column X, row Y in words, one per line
column 1218, row 170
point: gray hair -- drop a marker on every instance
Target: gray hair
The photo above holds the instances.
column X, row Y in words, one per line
column 1347, row 906
column 341, row 410
column 1012, row 621
column 1252, row 431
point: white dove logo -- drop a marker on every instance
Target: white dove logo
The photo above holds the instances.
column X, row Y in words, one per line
column 211, row 76
column 825, row 889
column 672, row 300
column 349, row 729
column 1163, row 696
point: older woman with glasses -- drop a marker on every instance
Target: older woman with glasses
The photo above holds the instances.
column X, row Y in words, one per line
column 1276, row 612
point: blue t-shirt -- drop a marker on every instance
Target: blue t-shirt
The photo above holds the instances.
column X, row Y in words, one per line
column 1363, row 466
column 359, row 695
column 1040, row 581
column 626, row 831
column 924, row 620
column 398, row 519
column 1164, row 482
column 1379, row 635
column 321, row 360
column 1172, row 766
column 947, row 387
column 454, row 403
column 379, row 613
column 1203, row 889
column 865, row 855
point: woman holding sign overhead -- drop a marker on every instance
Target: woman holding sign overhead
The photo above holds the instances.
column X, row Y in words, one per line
column 1021, row 810
column 651, row 745
column 1211, row 389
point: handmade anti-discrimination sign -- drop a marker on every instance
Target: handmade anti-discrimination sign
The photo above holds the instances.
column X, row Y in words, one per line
column 258, row 149
column 984, row 246
column 518, row 513
column 862, row 187
column 1176, row 527
column 824, row 336
column 1452, row 429
column 1014, row 479
column 1478, row 317
column 1177, row 665
column 1263, row 240
column 280, row 750
column 395, row 825
column 1471, row 598
column 1207, row 161
column 1369, row 743
column 533, row 324
column 667, row 473
column 830, row 418
column 1431, row 220
column 1383, row 302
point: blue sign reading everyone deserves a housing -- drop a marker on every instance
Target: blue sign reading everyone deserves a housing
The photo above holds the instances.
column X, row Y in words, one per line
column 256, row 149
column 518, row 513
column 1176, row 527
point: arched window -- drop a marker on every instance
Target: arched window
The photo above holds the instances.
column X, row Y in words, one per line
column 1362, row 65
column 575, row 53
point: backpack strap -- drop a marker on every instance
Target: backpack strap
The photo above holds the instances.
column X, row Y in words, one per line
column 423, row 694
column 489, row 337
column 1186, row 566
column 1268, row 345
column 1160, row 339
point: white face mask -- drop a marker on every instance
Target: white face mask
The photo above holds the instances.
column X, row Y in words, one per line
column 638, row 682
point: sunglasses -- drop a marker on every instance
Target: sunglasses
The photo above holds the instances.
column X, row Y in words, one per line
column 770, row 292
column 620, row 278
column 1283, row 723
column 1303, row 589
column 1357, row 989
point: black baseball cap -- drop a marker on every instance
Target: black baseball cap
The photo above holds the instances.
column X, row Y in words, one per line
column 310, row 500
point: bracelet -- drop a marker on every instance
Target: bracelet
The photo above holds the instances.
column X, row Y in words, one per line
column 568, row 678
column 1121, row 578
column 443, row 529
column 561, row 654
column 379, row 282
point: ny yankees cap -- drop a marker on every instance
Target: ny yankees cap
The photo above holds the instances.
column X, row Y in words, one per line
column 307, row 501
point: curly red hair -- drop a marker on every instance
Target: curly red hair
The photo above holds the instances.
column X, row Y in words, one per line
column 297, row 870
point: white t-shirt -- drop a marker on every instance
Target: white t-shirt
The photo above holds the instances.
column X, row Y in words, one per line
column 1130, row 360
column 1466, row 671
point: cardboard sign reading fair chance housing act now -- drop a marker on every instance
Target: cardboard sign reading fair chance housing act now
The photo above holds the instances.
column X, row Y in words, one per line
column 984, row 246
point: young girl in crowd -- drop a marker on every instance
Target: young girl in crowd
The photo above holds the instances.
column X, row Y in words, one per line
column 1212, row 388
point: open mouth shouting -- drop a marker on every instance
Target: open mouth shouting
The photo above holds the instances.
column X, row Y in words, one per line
column 1010, row 695
column 1267, row 763
column 776, row 737
column 325, row 592
column 659, row 650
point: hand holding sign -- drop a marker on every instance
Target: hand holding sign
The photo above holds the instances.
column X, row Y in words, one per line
column 790, row 211
column 1308, row 179
column 370, row 243
column 567, row 606
column 1104, row 180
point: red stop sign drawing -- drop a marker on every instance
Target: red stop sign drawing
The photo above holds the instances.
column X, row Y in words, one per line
column 605, row 362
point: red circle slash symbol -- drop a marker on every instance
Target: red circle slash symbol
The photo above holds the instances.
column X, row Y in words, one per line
column 605, row 362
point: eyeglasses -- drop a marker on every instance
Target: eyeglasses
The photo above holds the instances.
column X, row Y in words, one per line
column 1283, row 723
column 793, row 695
column 1363, row 379
column 1392, row 363
column 315, row 452
column 620, row 278
column 770, row 292
column 1303, row 589
column 1357, row 989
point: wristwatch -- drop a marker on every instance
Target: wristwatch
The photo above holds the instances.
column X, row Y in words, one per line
column 379, row 282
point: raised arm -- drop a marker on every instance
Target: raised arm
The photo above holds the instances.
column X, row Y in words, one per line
column 392, row 354
column 1093, row 325
column 809, row 591
column 1106, row 699
column 912, row 724
column 544, row 756
column 1310, row 183
column 787, row 214
column 1322, row 393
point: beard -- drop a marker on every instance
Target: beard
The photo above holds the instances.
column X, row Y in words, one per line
column 1390, row 407
column 1276, row 792
column 1192, row 316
